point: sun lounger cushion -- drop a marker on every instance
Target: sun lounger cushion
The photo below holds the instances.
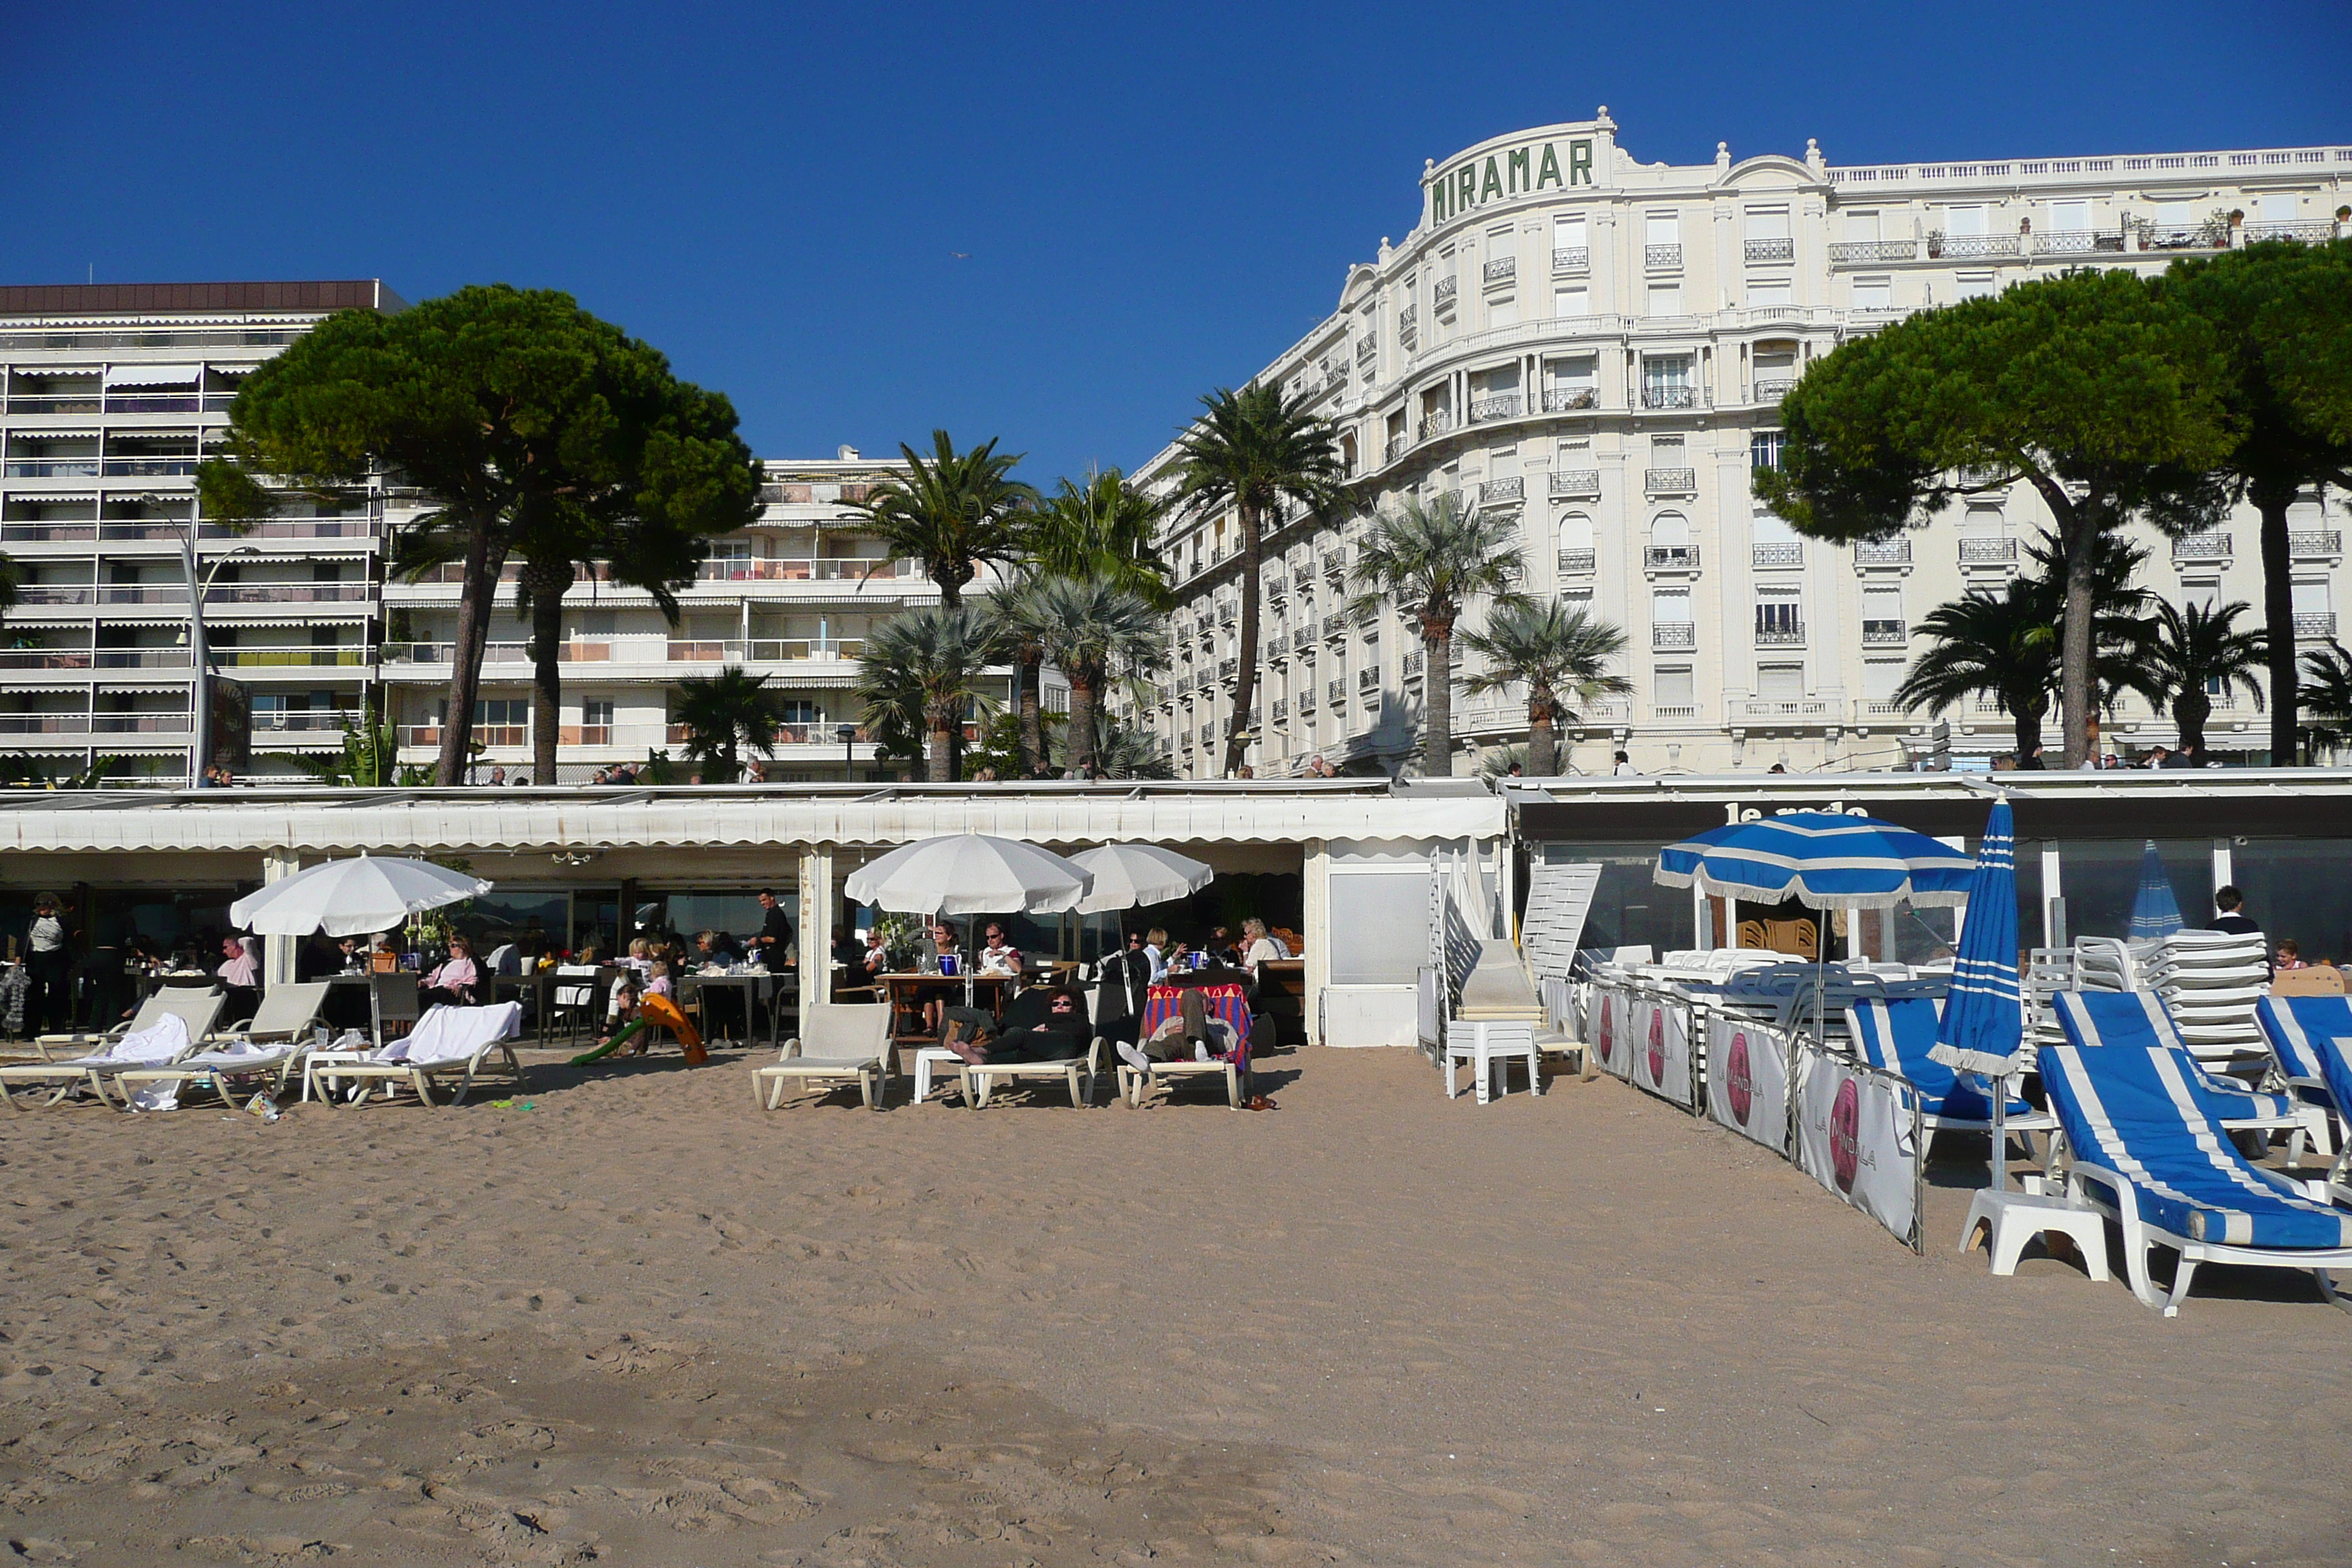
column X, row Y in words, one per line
column 1897, row 1035
column 2126, row 1102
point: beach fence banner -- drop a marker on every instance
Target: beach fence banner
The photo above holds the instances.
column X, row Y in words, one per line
column 1609, row 1022
column 1748, row 1081
column 1662, row 1051
column 1857, row 1133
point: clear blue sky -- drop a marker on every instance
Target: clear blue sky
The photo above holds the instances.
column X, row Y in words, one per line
column 1151, row 200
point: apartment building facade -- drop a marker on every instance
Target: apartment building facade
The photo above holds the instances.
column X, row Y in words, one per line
column 110, row 396
column 1596, row 347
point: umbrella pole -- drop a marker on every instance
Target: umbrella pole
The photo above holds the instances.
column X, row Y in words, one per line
column 1999, row 1134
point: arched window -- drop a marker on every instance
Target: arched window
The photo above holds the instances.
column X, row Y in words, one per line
column 1670, row 541
column 1575, row 530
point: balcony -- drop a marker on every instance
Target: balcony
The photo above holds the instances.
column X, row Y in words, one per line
column 44, row 723
column 342, row 658
column 2076, row 242
column 1571, row 399
column 1670, row 558
column 1278, row 589
column 1502, row 491
column 47, row 532
column 1783, row 634
column 1845, row 253
column 145, row 658
column 57, row 657
column 1878, row 710
column 1982, row 476
column 1671, row 712
column 53, row 469
column 1335, row 628
column 1772, row 390
column 1436, row 424
column 1443, row 294
column 1303, row 640
column 1658, row 396
column 1579, row 563
column 1575, row 484
column 1786, row 710
column 1668, row 635
column 1571, row 258
column 141, row 724
column 1228, row 671
column 2203, row 547
column 1282, row 710
column 1365, row 349
column 303, row 721
column 2309, row 233
column 584, row 735
column 1501, row 269
column 1306, row 696
column 2314, row 624
column 1486, row 409
column 1776, row 555
column 2212, row 235
column 1885, row 633
column 1662, row 257
column 1965, row 247
column 1987, row 552
column 2315, row 542
column 1670, row 481
column 1395, row 448
column 1335, row 693
column 1368, row 680
column 782, row 569
column 1410, row 666
column 1771, row 250
column 1883, row 553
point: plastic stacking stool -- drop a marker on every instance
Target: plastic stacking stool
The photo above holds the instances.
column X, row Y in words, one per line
column 2011, row 1219
column 930, row 1057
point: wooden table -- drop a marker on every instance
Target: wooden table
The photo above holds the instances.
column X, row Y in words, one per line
column 908, row 993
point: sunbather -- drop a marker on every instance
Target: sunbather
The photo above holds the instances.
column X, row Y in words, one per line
column 1063, row 1033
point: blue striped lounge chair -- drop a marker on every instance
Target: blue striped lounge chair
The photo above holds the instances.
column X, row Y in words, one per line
column 2145, row 1144
column 2311, row 1039
column 1896, row 1035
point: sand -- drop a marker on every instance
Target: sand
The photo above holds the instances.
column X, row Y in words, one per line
column 639, row 1323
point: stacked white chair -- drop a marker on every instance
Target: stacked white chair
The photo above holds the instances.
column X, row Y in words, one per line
column 2211, row 981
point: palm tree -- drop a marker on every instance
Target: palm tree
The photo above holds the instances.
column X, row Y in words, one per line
column 1426, row 560
column 11, row 575
column 1105, row 528
column 1124, row 752
column 725, row 715
column 1097, row 633
column 2194, row 654
column 921, row 672
column 953, row 512
column 2002, row 646
column 2327, row 694
column 1021, row 622
column 1256, row 451
column 1556, row 651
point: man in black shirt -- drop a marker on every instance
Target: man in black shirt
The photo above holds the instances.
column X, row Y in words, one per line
column 774, row 943
column 2233, row 918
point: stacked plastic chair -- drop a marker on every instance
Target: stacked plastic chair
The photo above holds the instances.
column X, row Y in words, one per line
column 2211, row 981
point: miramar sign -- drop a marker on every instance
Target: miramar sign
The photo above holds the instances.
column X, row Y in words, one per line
column 1498, row 176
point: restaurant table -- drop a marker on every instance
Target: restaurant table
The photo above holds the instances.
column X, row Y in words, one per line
column 750, row 985
column 539, row 984
column 908, row 993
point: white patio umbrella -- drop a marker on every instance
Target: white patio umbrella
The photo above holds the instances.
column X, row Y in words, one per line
column 969, row 874
column 1129, row 875
column 353, row 898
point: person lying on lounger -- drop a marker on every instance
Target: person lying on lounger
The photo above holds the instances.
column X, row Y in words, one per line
column 1063, row 1032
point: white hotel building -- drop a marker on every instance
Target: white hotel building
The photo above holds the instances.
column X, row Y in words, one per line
column 1599, row 346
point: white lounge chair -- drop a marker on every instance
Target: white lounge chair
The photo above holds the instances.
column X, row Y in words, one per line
column 1896, row 1035
column 265, row 1051
column 187, row 1001
column 447, row 1042
column 1228, row 1062
column 160, row 1043
column 838, row 1041
column 1079, row 1071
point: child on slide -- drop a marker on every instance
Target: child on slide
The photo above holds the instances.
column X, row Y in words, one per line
column 628, row 995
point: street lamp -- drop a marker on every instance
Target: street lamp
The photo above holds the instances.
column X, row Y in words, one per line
column 847, row 735
column 197, row 589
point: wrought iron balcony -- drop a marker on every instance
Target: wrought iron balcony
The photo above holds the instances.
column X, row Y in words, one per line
column 1499, row 268
column 1583, row 484
column 1509, row 487
column 1443, row 293
column 1961, row 246
column 1776, row 555
column 1662, row 256
column 1278, row 589
column 1282, row 709
column 1571, row 399
column 2201, row 547
column 2310, row 233
column 2320, row 623
column 1306, row 696
column 1395, row 448
column 1884, row 634
column 1334, row 692
column 1579, row 563
column 2315, row 542
column 1365, row 349
column 1335, row 628
column 1670, row 397
column 1987, row 551
column 2212, row 235
column 1670, row 481
column 1571, row 258
column 1978, row 475
column 1848, row 251
column 1302, row 640
column 1671, row 557
column 1665, row 635
column 1772, row 389
column 1770, row 249
column 1785, row 634
column 2075, row 242
column 1505, row 406
column 1883, row 553
column 1411, row 665
column 1436, row 424
column 1368, row 680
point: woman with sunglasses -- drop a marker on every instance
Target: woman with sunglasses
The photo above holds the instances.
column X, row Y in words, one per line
column 1063, row 1032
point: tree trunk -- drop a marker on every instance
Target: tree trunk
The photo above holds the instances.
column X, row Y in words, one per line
column 1245, row 669
column 1542, row 716
column 1081, row 726
column 938, row 762
column 2278, row 619
column 547, row 583
column 1437, row 710
column 2190, row 709
column 475, row 601
column 2075, row 692
column 2029, row 733
column 1032, row 715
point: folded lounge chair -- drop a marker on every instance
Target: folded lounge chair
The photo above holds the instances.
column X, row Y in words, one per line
column 160, row 1043
column 447, row 1042
column 2144, row 1144
column 1897, row 1035
column 838, row 1041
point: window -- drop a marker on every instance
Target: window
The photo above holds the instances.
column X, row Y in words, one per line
column 1873, row 293
column 2205, row 596
column 1975, row 286
column 1670, row 543
column 1769, row 292
column 2278, row 209
column 1764, row 448
column 1665, row 300
column 1671, row 607
column 1777, row 613
column 1571, row 302
column 1568, row 232
column 1503, row 311
column 2177, row 214
column 1881, row 677
column 1771, row 528
column 1881, row 614
column 1662, row 228
column 1767, row 223
column 1503, row 462
column 1964, row 220
column 1667, row 381
column 1861, row 225
column 1780, row 682
column 596, row 712
column 1575, row 530
column 2311, row 596
column 1671, row 686
column 2070, row 216
column 1573, row 383
column 800, row 710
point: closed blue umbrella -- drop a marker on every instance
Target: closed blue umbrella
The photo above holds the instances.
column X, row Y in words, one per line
column 1984, row 1023
column 1823, row 859
column 2156, row 912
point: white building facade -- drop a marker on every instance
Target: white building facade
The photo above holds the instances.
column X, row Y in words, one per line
column 1597, row 347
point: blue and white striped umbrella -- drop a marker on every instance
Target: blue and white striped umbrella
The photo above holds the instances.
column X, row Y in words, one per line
column 2156, row 911
column 1983, row 1026
column 1823, row 859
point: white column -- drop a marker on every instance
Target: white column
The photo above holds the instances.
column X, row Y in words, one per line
column 815, row 877
column 277, row 951
column 1317, row 934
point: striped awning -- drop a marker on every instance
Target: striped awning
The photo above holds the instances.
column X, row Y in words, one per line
column 153, row 374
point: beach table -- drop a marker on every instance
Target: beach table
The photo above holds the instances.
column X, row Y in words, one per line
column 744, row 987
column 908, row 993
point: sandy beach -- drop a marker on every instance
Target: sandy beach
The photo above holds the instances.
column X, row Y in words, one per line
column 638, row 1322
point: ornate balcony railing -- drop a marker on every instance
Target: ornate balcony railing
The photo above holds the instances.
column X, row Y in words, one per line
column 1845, row 252
column 1963, row 245
column 1229, row 671
column 1368, row 680
column 1334, row 692
column 1571, row 258
column 1670, row 397
column 1787, row 634
column 1411, row 665
column 1302, row 640
column 2312, row 232
column 1981, row 475
column 1436, row 424
column 1395, row 447
column 1505, row 406
column 1884, row 634
column 1987, row 551
column 1772, row 389
column 1282, row 709
column 1365, row 349
column 2315, row 542
column 1509, row 487
column 1666, row 636
column 2201, row 547
column 1444, row 292
column 2208, row 236
column 1579, row 563
column 1671, row 557
column 1776, row 555
column 1770, row 249
column 1881, row 553
column 1670, row 481
column 1571, row 399
column 2075, row 242
column 1662, row 256
column 1498, row 267
column 2320, row 623
column 1579, row 484
column 1335, row 627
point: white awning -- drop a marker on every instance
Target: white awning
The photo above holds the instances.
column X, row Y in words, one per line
column 153, row 374
column 233, row 369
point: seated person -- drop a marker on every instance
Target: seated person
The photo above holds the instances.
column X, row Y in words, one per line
column 457, row 982
column 999, row 957
column 942, row 956
column 2289, row 955
column 1063, row 1032
column 240, row 978
column 717, row 947
column 1262, row 945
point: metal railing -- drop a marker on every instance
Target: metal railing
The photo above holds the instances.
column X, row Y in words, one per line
column 1366, row 348
column 1282, row 709
column 1772, row 390
column 1843, row 252
column 44, row 723
column 2314, row 233
column 1302, row 640
column 1396, row 447
column 1511, row 487
column 1670, row 481
column 1506, row 406
column 1571, row 399
column 141, row 724
column 1671, row 557
column 1670, row 635
column 1368, row 680
column 303, row 721
column 1789, row 633
column 1962, row 245
column 1981, row 475
column 1662, row 256
column 1436, row 424
column 1881, row 553
column 1498, row 267
column 1571, row 258
column 782, row 569
column 2315, row 542
column 2314, row 624
column 2209, row 236
column 1334, row 692
column 338, row 658
column 2075, row 242
column 1669, row 397
column 1229, row 671
column 1444, row 292
column 1575, row 483
column 1411, row 665
column 1334, row 627
column 2203, row 547
column 1987, row 551
column 1884, row 634
column 1770, row 250
column 1577, row 563
column 1776, row 555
